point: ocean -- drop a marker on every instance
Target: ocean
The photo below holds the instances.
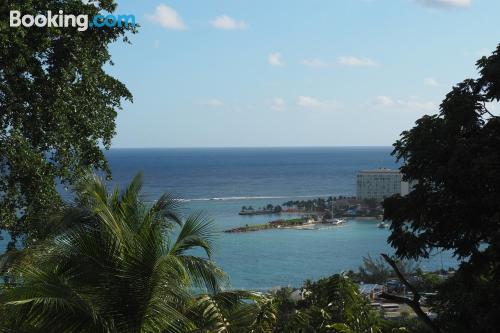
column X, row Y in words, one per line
column 220, row 181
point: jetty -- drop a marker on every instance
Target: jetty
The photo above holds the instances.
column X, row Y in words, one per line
column 271, row 225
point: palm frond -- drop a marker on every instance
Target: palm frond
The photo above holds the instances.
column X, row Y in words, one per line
column 167, row 210
column 90, row 189
column 196, row 232
column 50, row 303
column 112, row 264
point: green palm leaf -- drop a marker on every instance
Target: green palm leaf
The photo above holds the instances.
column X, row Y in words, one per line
column 115, row 265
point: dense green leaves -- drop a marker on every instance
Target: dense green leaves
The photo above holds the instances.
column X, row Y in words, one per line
column 112, row 271
column 332, row 304
column 57, row 109
column 454, row 160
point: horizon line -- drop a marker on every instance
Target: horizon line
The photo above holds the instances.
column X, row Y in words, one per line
column 249, row 147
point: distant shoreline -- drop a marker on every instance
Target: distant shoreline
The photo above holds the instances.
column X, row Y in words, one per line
column 297, row 224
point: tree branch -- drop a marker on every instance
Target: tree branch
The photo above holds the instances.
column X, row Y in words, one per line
column 488, row 112
column 414, row 302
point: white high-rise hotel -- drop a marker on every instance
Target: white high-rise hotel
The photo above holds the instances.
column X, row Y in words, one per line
column 380, row 184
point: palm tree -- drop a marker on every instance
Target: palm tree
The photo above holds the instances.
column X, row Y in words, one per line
column 234, row 312
column 121, row 265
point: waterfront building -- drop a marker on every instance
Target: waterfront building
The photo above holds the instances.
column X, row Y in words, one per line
column 380, row 183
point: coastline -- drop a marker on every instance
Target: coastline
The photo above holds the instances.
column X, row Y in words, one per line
column 364, row 218
column 297, row 224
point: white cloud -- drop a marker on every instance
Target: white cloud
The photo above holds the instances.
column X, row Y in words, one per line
column 424, row 106
column 309, row 102
column 484, row 52
column 384, row 100
column 431, row 82
column 356, row 61
column 412, row 104
column 314, row 62
column 228, row 23
column 167, row 17
column 278, row 104
column 214, row 103
column 445, row 3
column 275, row 59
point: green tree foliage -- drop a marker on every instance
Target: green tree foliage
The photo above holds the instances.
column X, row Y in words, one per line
column 405, row 325
column 331, row 304
column 378, row 271
column 427, row 281
column 319, row 204
column 374, row 270
column 123, row 266
column 57, row 108
column 232, row 312
column 454, row 158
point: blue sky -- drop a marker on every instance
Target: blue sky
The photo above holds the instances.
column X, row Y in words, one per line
column 233, row 73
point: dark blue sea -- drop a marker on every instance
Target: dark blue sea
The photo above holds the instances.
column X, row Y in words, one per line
column 220, row 181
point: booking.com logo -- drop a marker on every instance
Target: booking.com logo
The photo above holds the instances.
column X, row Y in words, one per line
column 62, row 20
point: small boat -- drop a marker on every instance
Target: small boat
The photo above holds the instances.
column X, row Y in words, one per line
column 340, row 221
column 311, row 221
column 382, row 225
column 336, row 221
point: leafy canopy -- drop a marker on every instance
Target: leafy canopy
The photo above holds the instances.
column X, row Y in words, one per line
column 57, row 108
column 453, row 158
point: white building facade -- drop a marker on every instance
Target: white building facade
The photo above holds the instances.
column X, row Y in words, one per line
column 380, row 183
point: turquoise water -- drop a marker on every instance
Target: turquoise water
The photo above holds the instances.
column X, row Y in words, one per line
column 267, row 259
column 286, row 257
column 220, row 181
